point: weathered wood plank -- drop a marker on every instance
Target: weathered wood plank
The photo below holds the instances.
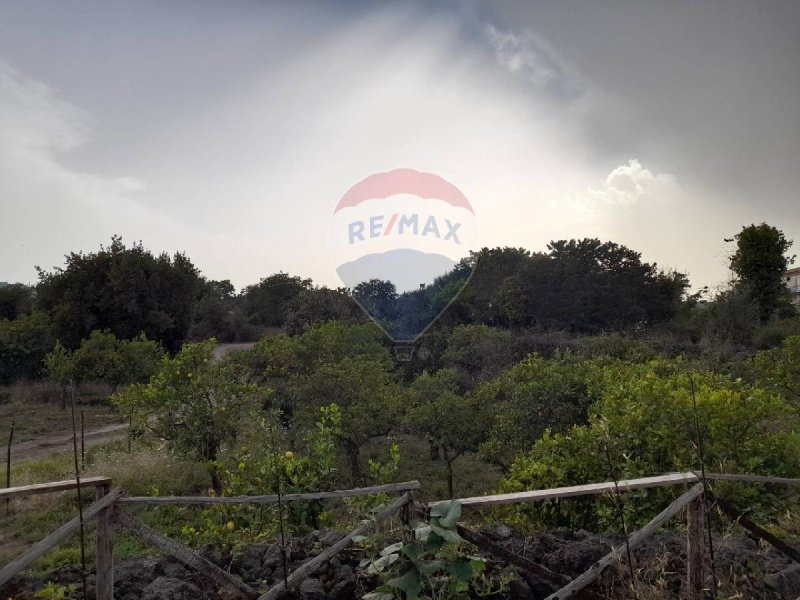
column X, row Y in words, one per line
column 752, row 478
column 597, row 568
column 42, row 546
column 736, row 516
column 104, row 559
column 53, row 486
column 492, row 547
column 391, row 488
column 181, row 552
column 308, row 567
column 695, row 553
column 625, row 485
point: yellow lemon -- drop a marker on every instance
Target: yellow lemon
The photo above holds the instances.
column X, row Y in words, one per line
column 230, row 526
column 289, row 454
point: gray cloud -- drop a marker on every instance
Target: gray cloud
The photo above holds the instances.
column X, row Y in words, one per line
column 230, row 130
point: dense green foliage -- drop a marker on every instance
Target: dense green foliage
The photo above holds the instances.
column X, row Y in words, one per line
column 127, row 291
column 759, row 262
column 104, row 358
column 16, row 300
column 643, row 422
column 24, row 342
column 532, row 397
column 193, row 404
column 429, row 563
column 267, row 302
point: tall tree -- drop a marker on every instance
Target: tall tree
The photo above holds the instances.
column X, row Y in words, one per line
column 16, row 299
column 127, row 291
column 267, row 301
column 759, row 262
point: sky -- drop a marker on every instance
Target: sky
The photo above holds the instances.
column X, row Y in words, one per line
column 230, row 130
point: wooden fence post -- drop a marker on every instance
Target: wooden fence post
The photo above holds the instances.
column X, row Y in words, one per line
column 695, row 554
column 105, row 548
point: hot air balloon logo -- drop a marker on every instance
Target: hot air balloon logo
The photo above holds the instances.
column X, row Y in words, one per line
column 397, row 241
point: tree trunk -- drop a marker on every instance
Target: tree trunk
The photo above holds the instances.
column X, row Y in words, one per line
column 449, row 461
column 354, row 458
column 216, row 482
column 434, row 450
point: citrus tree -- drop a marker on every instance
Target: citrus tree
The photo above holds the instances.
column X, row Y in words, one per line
column 192, row 404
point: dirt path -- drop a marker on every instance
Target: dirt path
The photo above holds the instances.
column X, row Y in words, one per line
column 62, row 442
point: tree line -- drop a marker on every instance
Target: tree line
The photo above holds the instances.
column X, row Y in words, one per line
column 579, row 287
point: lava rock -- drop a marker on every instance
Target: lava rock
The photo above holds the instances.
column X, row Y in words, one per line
column 786, row 583
column 311, row 589
column 344, row 590
column 520, row 590
column 169, row 588
column 500, row 531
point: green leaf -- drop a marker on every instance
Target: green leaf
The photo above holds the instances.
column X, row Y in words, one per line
column 394, row 548
column 447, row 535
column 461, row 569
column 409, row 584
column 449, row 520
column 432, row 567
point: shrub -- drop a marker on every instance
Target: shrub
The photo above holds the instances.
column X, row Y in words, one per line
column 24, row 342
column 643, row 424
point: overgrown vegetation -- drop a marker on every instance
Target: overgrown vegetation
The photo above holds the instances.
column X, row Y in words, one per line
column 578, row 365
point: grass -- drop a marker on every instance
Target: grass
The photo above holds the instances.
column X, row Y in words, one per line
column 471, row 475
column 144, row 471
column 35, row 410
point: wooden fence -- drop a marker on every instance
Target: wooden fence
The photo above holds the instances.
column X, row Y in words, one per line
column 109, row 504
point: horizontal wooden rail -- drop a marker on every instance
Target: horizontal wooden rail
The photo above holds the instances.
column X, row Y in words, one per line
column 752, row 478
column 53, row 486
column 58, row 536
column 307, row 568
column 625, row 485
column 583, row 580
column 391, row 488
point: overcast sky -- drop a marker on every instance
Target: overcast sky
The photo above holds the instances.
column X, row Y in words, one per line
column 229, row 130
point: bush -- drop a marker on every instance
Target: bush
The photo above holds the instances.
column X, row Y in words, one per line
column 643, row 424
column 534, row 395
column 24, row 342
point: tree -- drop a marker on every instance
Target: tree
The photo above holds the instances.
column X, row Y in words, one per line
column 284, row 363
column 103, row 358
column 365, row 391
column 193, row 404
column 478, row 352
column 759, row 263
column 267, row 302
column 451, row 422
column 643, row 423
column 379, row 299
column 60, row 369
column 16, row 299
column 320, row 305
column 24, row 342
column 214, row 310
column 533, row 396
column 779, row 370
column 124, row 290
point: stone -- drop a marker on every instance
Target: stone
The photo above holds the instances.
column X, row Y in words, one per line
column 520, row 590
column 786, row 582
column 272, row 556
column 169, row 588
column 344, row 590
column 500, row 531
column 311, row 589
